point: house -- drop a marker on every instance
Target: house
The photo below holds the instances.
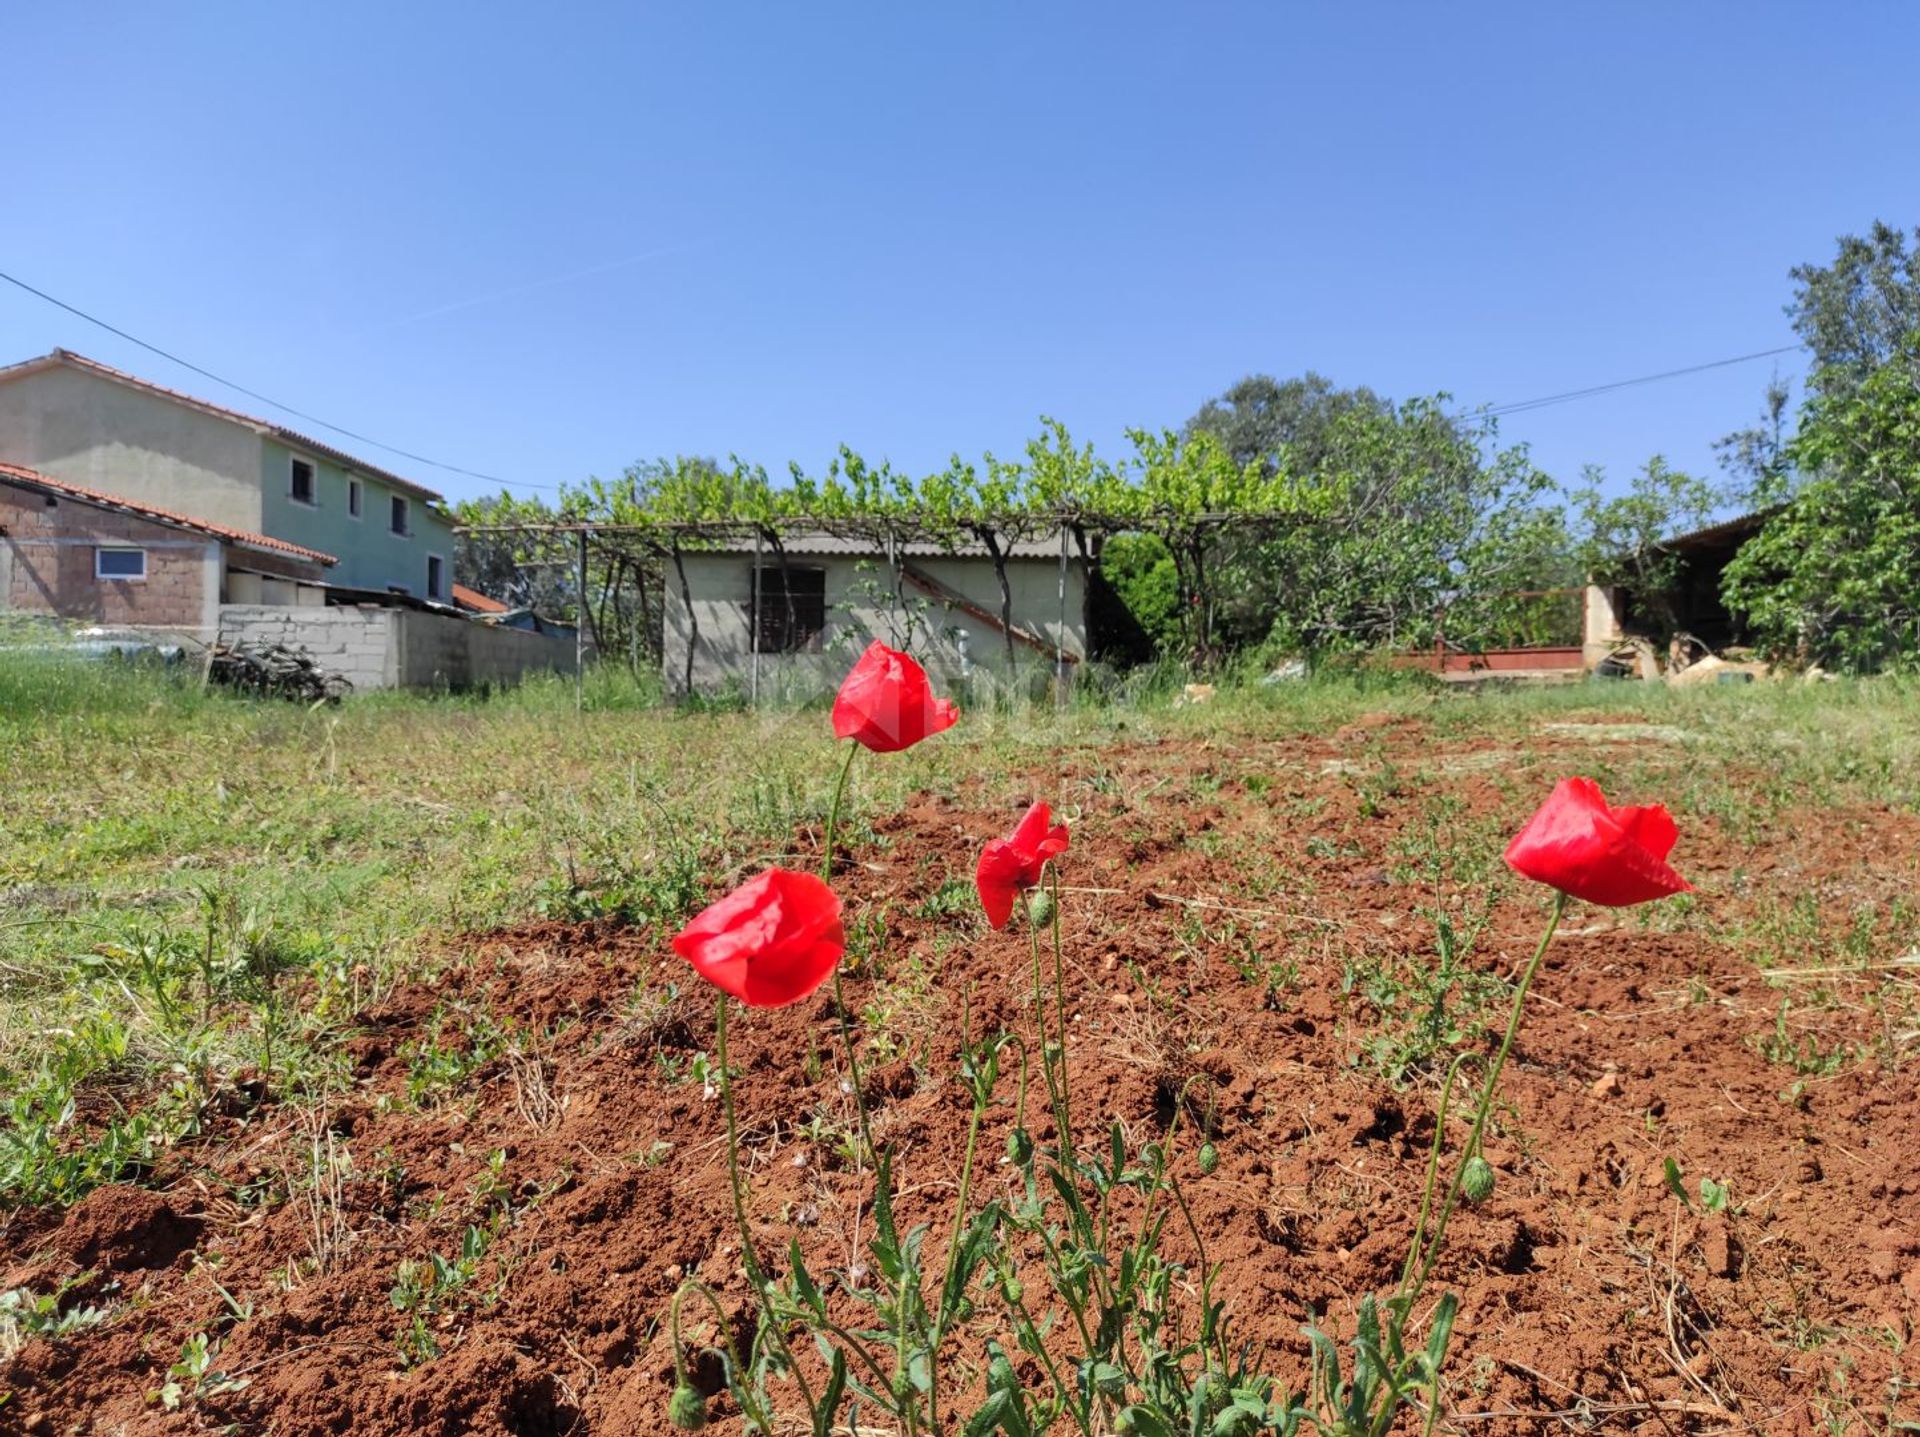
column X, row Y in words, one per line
column 83, row 423
column 785, row 627
column 82, row 554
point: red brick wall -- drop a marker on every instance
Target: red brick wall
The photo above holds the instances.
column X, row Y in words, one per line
column 58, row 578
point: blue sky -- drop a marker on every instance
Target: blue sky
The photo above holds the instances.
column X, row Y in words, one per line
column 543, row 242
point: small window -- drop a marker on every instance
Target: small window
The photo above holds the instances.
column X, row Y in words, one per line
column 397, row 515
column 792, row 606
column 436, row 570
column 301, row 485
column 120, row 563
column 353, row 497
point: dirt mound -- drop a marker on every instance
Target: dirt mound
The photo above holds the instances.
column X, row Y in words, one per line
column 126, row 1229
column 483, row 1234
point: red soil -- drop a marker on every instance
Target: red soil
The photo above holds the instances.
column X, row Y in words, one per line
column 1590, row 1297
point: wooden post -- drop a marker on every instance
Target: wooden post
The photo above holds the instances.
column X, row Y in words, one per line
column 1060, row 639
column 580, row 630
column 753, row 626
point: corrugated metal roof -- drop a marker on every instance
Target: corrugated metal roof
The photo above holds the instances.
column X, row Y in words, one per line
column 1739, row 527
column 835, row 546
column 220, row 411
column 46, row 484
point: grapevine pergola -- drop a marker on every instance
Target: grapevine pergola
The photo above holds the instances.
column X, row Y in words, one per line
column 641, row 548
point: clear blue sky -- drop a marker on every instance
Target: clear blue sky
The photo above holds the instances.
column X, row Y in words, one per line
column 545, row 241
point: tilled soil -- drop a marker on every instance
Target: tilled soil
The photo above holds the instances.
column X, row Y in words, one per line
column 1236, row 912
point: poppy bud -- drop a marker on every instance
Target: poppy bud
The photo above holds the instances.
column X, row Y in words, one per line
column 1209, row 1157
column 688, row 1409
column 1020, row 1147
column 1476, row 1179
column 1013, row 1291
column 1040, row 907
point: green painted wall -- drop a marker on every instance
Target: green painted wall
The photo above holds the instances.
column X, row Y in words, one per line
column 371, row 556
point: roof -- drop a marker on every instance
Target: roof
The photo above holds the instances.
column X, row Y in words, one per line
column 834, row 545
column 33, row 479
column 478, row 602
column 218, row 411
column 1726, row 531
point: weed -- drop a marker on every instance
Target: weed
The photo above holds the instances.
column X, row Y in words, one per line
column 1801, row 1054
column 25, row 1314
column 422, row 1290
column 194, row 1377
column 457, row 1045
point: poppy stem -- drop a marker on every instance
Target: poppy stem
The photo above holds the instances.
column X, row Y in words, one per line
column 749, row 1255
column 1482, row 1108
column 1048, row 1054
column 839, row 993
column 833, row 813
column 1060, row 1003
column 748, row 1407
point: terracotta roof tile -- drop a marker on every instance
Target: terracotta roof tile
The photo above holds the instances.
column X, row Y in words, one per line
column 475, row 600
column 34, row 479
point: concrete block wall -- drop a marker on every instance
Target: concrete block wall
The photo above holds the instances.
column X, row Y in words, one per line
column 378, row 648
column 352, row 639
column 443, row 651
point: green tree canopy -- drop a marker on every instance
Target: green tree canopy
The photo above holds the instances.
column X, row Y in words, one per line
column 1835, row 577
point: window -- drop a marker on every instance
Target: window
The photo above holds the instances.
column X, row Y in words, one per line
column 353, row 498
column 300, row 484
column 792, row 606
column 397, row 515
column 436, row 576
column 120, row 563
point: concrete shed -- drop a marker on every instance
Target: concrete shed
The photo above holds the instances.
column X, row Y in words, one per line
column 774, row 630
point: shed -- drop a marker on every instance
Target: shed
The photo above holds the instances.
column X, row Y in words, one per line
column 787, row 623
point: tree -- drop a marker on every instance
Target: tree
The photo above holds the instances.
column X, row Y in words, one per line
column 1755, row 458
column 1834, row 578
column 1617, row 538
column 1261, row 416
column 1411, row 512
column 510, row 567
column 1856, row 313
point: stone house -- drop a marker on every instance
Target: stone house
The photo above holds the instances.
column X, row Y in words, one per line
column 84, row 423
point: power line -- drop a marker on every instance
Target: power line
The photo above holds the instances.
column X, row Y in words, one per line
column 263, row 399
column 1522, row 405
column 1496, row 411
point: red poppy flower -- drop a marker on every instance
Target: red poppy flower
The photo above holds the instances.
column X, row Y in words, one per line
column 1615, row 856
column 887, row 704
column 770, row 942
column 1009, row 866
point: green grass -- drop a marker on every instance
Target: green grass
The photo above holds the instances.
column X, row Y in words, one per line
column 193, row 886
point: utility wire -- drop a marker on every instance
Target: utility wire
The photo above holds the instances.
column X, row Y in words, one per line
column 1496, row 411
column 1521, row 406
column 315, row 419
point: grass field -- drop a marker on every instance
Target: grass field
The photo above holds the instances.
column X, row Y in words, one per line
column 203, row 897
